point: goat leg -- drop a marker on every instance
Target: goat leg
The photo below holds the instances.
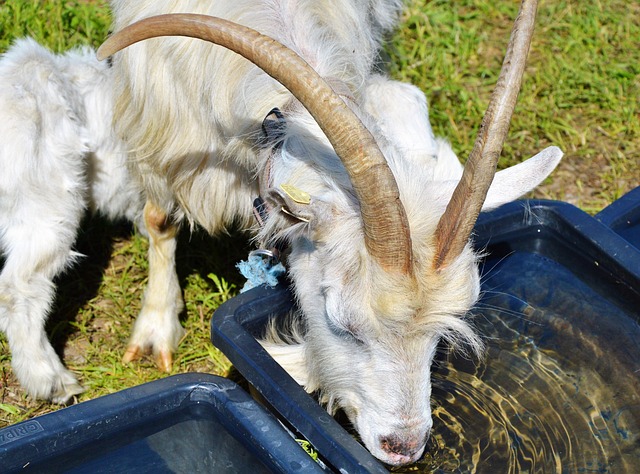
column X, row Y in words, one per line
column 157, row 329
column 26, row 295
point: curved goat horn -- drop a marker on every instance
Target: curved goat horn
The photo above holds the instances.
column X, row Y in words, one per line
column 456, row 224
column 385, row 223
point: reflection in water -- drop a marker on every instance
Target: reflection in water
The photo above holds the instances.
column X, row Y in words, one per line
column 558, row 390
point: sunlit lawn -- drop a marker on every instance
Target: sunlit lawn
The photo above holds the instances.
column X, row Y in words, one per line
column 580, row 92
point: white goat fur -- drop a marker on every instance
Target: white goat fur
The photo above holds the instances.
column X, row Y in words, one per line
column 192, row 114
column 58, row 158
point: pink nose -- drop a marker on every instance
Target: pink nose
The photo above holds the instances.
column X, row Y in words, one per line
column 400, row 450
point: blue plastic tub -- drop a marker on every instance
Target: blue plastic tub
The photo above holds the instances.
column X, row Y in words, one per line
column 549, row 268
column 234, row 326
column 623, row 217
column 186, row 423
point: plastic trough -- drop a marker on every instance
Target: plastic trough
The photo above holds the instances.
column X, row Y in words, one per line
column 185, row 423
column 623, row 217
column 542, row 254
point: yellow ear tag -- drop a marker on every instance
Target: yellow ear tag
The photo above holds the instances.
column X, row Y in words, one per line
column 296, row 194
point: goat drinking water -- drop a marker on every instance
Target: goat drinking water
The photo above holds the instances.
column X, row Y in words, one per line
column 375, row 211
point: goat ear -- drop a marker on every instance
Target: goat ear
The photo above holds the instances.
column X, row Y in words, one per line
column 514, row 182
column 274, row 127
column 511, row 183
column 296, row 206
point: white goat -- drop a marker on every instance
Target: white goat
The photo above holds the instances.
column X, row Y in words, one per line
column 382, row 272
column 58, row 158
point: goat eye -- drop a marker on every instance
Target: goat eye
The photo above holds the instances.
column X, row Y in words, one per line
column 345, row 332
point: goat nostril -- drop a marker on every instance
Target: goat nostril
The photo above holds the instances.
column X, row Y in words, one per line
column 395, row 445
column 403, row 450
column 390, row 444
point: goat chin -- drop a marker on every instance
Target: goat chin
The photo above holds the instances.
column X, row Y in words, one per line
column 59, row 158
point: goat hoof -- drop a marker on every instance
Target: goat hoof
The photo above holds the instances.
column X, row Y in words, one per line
column 66, row 394
column 65, row 389
column 133, row 353
column 164, row 361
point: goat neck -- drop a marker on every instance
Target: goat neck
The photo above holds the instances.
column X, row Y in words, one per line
column 384, row 220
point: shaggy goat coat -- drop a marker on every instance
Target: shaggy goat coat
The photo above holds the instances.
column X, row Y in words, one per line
column 58, row 159
column 193, row 115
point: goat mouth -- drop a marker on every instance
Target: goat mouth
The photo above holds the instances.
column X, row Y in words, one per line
column 398, row 455
column 398, row 449
column 401, row 445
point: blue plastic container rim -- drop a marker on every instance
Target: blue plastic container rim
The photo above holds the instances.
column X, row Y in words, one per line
column 598, row 248
column 71, row 429
column 622, row 212
column 232, row 327
column 623, row 216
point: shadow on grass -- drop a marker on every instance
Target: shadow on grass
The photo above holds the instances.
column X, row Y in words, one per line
column 197, row 252
column 81, row 282
column 200, row 253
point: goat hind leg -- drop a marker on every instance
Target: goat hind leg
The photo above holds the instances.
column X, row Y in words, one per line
column 35, row 363
column 26, row 294
column 157, row 328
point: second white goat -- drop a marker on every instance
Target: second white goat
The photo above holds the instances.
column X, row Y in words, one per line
column 58, row 158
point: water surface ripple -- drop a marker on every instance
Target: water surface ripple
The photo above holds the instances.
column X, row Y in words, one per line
column 557, row 392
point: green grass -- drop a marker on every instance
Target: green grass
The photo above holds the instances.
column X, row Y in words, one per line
column 580, row 92
column 57, row 24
